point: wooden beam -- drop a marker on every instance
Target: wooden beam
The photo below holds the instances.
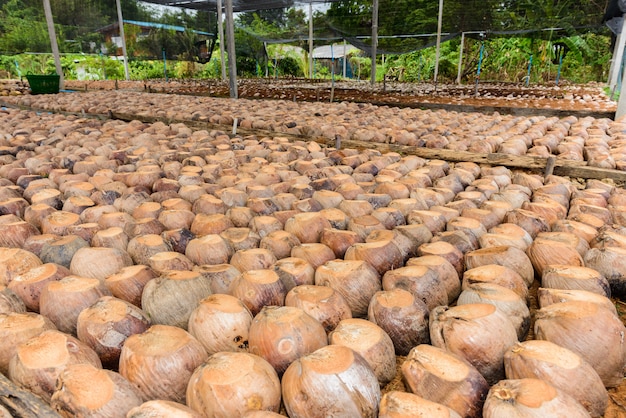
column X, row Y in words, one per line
column 53, row 43
column 23, row 403
column 374, row 40
column 561, row 167
column 230, row 47
column 220, row 32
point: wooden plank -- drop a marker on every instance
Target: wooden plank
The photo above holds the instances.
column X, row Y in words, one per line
column 586, row 172
column 567, row 168
column 23, row 403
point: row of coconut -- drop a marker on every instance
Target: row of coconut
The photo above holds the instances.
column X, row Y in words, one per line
column 596, row 141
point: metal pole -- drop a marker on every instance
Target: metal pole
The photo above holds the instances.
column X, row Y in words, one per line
column 458, row 74
column 267, row 61
column 530, row 67
column 53, row 42
column 621, row 103
column 310, row 40
column 374, row 39
column 220, row 30
column 164, row 64
column 120, row 21
column 232, row 58
column 439, row 24
column 618, row 53
column 480, row 64
column 345, row 58
column 332, row 73
column 558, row 74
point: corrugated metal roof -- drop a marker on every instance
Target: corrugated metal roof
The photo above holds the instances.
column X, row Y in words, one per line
column 321, row 52
column 333, row 51
column 157, row 26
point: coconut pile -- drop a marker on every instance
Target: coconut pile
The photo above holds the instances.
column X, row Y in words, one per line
column 154, row 269
column 13, row 87
column 598, row 142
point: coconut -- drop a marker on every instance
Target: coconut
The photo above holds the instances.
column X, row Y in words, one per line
column 230, row 384
column 332, row 381
column 163, row 354
column 477, row 332
column 397, row 404
column 282, row 334
column 530, row 398
column 603, row 345
column 221, row 323
column 506, row 300
column 443, row 377
column 561, row 368
column 403, row 316
column 371, row 342
column 107, row 394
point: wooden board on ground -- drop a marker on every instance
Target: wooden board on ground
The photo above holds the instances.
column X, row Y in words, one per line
column 21, row 402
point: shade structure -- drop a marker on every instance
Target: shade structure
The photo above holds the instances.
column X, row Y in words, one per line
column 234, row 6
column 238, row 5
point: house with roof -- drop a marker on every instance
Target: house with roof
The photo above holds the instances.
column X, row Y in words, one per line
column 333, row 57
column 111, row 34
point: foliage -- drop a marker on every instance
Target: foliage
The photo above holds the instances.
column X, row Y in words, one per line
column 212, row 69
column 287, row 61
column 157, row 42
column 506, row 58
column 21, row 28
column 184, row 69
column 146, row 69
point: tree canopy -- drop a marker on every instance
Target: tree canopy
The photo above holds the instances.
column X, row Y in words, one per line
column 23, row 27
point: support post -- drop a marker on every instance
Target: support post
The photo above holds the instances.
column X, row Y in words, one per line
column 530, row 67
column 53, row 42
column 220, row 30
column 374, row 39
column 332, row 73
column 558, row 74
column 437, row 50
column 121, row 24
column 345, row 58
column 267, row 61
column 164, row 65
column 458, row 73
column 618, row 56
column 621, row 103
column 232, row 57
column 310, row 40
column 480, row 64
